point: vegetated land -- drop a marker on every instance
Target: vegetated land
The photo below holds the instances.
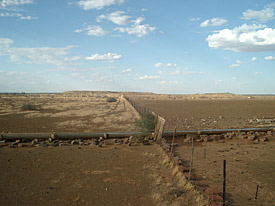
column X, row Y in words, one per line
column 66, row 112
column 210, row 111
column 248, row 164
column 116, row 175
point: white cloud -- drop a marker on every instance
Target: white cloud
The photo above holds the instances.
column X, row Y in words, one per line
column 104, row 57
column 193, row 73
column 258, row 73
column 116, row 17
column 92, row 30
column 262, row 15
column 149, row 77
column 253, row 59
column 159, row 64
column 214, row 22
column 7, row 14
column 218, row 82
column 143, row 9
column 97, row 4
column 40, row 55
column 245, row 38
column 238, row 62
column 137, row 28
column 234, row 78
column 169, row 82
column 8, row 4
column 269, row 58
column 127, row 70
column 234, row 65
column 194, row 19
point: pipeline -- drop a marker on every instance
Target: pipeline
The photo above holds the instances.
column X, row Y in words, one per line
column 119, row 135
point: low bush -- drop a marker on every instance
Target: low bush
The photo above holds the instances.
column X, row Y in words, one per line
column 28, row 106
column 146, row 122
column 111, row 99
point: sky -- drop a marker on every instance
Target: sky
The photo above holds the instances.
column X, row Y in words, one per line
column 160, row 46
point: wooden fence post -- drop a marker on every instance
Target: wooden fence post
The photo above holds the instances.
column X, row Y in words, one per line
column 172, row 146
column 191, row 161
column 224, row 183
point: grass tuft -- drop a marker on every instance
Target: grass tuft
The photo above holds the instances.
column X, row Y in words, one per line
column 28, row 106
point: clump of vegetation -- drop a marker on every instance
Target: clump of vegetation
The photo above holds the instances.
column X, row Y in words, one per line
column 146, row 123
column 28, row 106
column 138, row 138
column 111, row 99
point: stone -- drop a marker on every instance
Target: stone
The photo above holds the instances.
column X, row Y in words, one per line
column 251, row 137
column 217, row 137
column 263, row 139
column 18, row 140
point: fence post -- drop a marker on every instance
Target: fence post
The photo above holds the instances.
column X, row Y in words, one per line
column 191, row 161
column 172, row 146
column 224, row 183
column 256, row 196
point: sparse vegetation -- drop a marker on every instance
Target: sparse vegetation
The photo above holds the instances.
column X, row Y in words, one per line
column 146, row 123
column 111, row 99
column 138, row 138
column 28, row 106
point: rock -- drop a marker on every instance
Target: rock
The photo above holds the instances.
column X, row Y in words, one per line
column 18, row 140
column 221, row 141
column 263, row 139
column 251, row 137
column 256, row 140
column 217, row 137
column 194, row 136
column 101, row 139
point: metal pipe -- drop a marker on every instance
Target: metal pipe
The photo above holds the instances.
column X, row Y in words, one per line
column 109, row 135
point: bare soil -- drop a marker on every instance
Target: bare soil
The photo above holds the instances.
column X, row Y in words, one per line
column 88, row 175
column 213, row 114
column 66, row 112
column 248, row 165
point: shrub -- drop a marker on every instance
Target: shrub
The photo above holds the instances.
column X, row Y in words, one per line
column 111, row 99
column 146, row 123
column 138, row 138
column 28, row 106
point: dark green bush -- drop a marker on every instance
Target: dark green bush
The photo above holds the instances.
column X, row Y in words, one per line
column 146, row 123
column 28, row 106
column 111, row 99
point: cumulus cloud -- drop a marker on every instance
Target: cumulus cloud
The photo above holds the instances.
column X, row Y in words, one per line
column 116, row 17
column 253, row 59
column 159, row 64
column 127, row 70
column 104, row 57
column 92, row 30
column 258, row 73
column 97, row 4
column 262, row 15
column 269, row 58
column 213, row 22
column 137, row 28
column 245, row 38
column 40, row 55
column 9, row 4
column 149, row 77
column 218, row 82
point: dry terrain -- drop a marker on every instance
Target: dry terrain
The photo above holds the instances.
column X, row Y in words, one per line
column 66, row 112
column 210, row 112
column 88, row 175
column 248, row 164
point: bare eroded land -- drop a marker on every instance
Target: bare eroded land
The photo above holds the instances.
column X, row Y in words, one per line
column 206, row 111
column 80, row 173
column 66, row 112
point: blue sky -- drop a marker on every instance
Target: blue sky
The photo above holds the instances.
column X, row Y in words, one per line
column 160, row 46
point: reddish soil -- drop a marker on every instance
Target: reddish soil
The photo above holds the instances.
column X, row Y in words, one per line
column 248, row 165
column 211, row 114
column 88, row 175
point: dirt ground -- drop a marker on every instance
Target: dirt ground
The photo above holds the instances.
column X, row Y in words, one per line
column 88, row 175
column 248, row 165
column 66, row 112
column 213, row 114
